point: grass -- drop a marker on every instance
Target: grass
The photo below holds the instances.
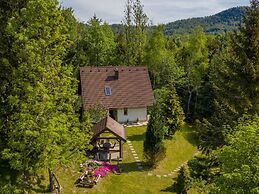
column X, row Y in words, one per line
column 179, row 149
column 137, row 135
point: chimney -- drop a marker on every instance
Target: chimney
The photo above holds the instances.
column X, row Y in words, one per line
column 116, row 73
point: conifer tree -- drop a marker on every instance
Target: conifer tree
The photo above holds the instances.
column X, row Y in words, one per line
column 181, row 185
column 154, row 149
column 235, row 80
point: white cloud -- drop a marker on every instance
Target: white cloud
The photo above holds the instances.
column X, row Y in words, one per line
column 159, row 11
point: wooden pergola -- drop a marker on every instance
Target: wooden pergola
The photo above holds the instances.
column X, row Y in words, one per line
column 104, row 132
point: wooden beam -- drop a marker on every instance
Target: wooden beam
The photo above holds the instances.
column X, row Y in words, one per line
column 120, row 149
column 108, row 138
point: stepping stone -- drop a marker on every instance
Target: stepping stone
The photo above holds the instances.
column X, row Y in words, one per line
column 133, row 152
column 137, row 161
column 159, row 176
column 165, row 175
column 136, row 157
column 140, row 168
column 138, row 164
column 149, row 174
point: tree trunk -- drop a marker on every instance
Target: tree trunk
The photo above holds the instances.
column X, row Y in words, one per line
column 188, row 104
column 51, row 181
column 196, row 101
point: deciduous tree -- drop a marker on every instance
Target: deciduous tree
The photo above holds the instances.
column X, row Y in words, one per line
column 38, row 119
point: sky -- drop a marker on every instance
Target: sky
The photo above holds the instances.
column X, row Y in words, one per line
column 158, row 11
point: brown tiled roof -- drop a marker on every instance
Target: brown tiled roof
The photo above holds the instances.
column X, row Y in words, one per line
column 132, row 89
column 111, row 125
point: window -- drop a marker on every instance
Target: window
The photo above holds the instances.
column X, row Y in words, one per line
column 125, row 111
column 107, row 91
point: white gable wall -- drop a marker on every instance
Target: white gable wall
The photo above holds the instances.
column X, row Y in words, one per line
column 134, row 115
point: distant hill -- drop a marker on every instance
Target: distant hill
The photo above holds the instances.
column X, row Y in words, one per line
column 221, row 22
column 224, row 21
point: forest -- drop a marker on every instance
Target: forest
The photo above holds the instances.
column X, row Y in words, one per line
column 208, row 81
column 225, row 21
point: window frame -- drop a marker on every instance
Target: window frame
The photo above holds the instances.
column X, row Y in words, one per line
column 107, row 91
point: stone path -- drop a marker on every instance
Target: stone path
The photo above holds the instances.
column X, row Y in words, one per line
column 135, row 156
column 175, row 171
column 171, row 174
column 140, row 167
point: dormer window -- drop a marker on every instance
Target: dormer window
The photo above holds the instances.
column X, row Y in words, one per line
column 107, row 91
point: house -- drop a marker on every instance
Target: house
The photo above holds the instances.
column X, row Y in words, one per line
column 125, row 91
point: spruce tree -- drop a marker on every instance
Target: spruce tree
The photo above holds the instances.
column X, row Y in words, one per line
column 235, row 80
column 154, row 149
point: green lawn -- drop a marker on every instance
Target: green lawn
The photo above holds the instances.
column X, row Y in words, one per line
column 131, row 181
column 180, row 149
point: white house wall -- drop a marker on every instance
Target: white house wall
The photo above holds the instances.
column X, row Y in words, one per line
column 134, row 114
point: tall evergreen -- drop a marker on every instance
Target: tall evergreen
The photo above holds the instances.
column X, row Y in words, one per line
column 154, row 149
column 235, row 79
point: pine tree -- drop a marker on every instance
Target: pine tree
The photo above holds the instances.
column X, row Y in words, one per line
column 154, row 149
column 181, row 185
column 235, row 81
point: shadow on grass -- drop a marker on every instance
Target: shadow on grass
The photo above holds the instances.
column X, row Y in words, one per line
column 24, row 184
column 139, row 137
column 191, row 137
column 190, row 134
column 33, row 183
column 132, row 167
column 171, row 188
